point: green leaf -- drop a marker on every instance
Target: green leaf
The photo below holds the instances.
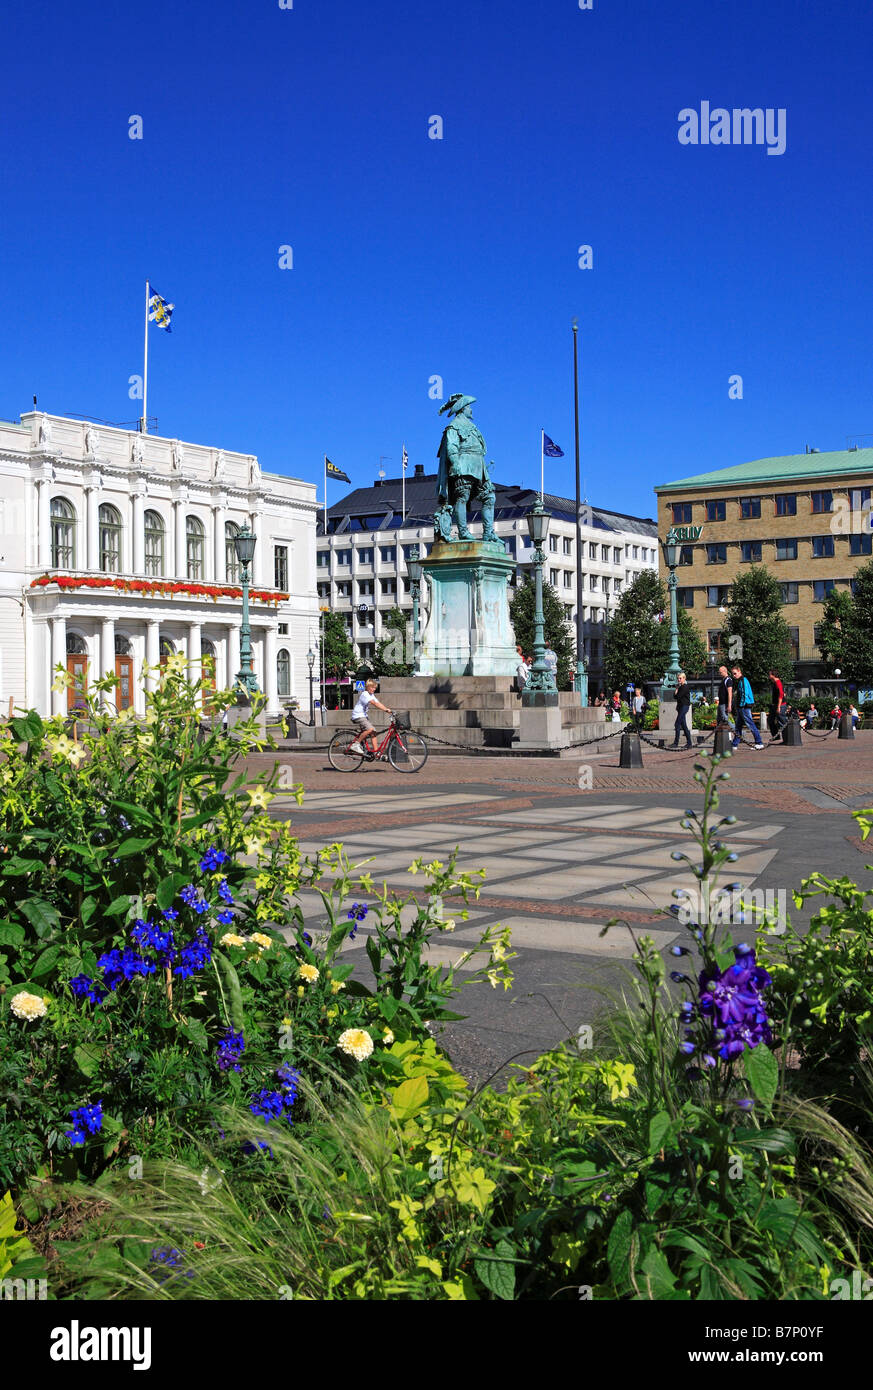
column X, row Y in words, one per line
column 657, row 1275
column 42, row 915
column 88, row 1058
column 134, row 845
column 118, row 905
column 618, row 1248
column 762, row 1071
column 388, row 1006
column 46, row 961
column 497, row 1270
column 10, row 934
column 196, row 1032
column 409, row 1097
column 168, row 888
column 27, row 729
column 233, row 992
column 772, row 1140
column 374, row 955
column 658, row 1126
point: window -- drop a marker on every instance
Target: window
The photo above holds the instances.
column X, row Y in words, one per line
column 63, row 528
column 231, row 563
column 786, row 503
column 568, row 579
column 283, row 629
column 789, row 592
column 681, row 515
column 714, row 641
column 407, row 551
column 786, row 550
column 593, row 582
column 365, row 588
column 595, row 649
column 592, row 550
column 604, row 554
column 553, row 544
column 510, row 544
column 822, row 501
column 861, row 545
column 365, row 556
column 750, row 508
column 389, row 586
column 716, row 554
column 323, row 558
column 343, row 557
column 367, row 650
column 616, row 584
column 686, row 555
column 821, row 588
column 794, row 639
column 750, row 552
column 324, row 590
column 553, row 577
column 716, row 595
column 822, row 547
column 110, row 539
column 568, row 546
column 716, row 511
column 388, row 553
column 616, row 555
column 859, row 499
column 194, row 534
column 636, row 552
column 344, row 589
column 280, row 567
column 605, row 585
column 154, row 543
column 407, row 586
column 685, row 597
column 283, row 673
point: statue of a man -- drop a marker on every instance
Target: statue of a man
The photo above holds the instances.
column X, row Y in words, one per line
column 463, row 472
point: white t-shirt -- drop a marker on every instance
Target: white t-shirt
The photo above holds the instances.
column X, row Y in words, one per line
column 363, row 704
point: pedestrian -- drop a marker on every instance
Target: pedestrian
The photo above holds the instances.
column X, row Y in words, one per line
column 683, row 705
column 776, row 719
column 550, row 657
column 615, row 707
column 745, row 705
column 836, row 716
column 725, row 699
column 600, row 700
column 522, row 671
column 638, row 707
column 811, row 715
column 856, row 718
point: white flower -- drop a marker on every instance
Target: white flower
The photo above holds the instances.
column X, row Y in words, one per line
column 28, row 1006
column 230, row 938
column 387, row 1037
column 355, row 1042
column 309, row 973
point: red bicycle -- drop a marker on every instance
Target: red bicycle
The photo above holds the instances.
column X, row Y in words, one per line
column 406, row 751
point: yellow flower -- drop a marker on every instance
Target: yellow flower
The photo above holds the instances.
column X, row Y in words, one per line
column 355, row 1042
column 621, row 1076
column 498, row 951
column 337, row 985
column 261, row 939
column 230, row 938
column 175, row 664
column 449, row 925
column 387, row 1037
column 300, row 991
column 287, row 1022
column 309, row 973
column 28, row 1006
column 58, row 745
column 263, row 881
column 76, row 754
column 492, row 978
column 331, row 1014
column 62, row 681
column 259, row 796
column 253, row 844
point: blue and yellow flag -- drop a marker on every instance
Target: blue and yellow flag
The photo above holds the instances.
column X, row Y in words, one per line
column 334, row 472
column 160, row 312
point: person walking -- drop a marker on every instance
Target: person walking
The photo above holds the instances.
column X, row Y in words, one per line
column 776, row 719
column 550, row 657
column 522, row 671
column 725, row 699
column 638, row 707
column 745, row 705
column 683, row 704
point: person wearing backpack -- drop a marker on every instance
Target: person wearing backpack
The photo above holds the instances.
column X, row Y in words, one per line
column 745, row 704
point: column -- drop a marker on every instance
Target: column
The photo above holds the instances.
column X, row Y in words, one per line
column 195, row 652
column 92, row 529
column 107, row 648
column 136, row 552
column 269, row 682
column 57, row 700
column 180, row 561
column 220, row 567
column 153, row 650
column 232, row 654
column 259, row 562
column 44, row 526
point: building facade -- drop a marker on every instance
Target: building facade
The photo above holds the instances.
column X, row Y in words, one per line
column 116, row 549
column 361, row 561
column 806, row 517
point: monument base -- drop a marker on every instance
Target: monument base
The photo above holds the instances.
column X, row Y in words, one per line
column 468, row 630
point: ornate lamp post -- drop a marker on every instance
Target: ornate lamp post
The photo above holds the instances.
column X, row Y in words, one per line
column 244, row 545
column 310, row 661
column 413, row 566
column 540, row 688
column 671, row 556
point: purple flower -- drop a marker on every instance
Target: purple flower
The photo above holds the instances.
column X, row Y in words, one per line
column 195, row 956
column 224, row 892
column 84, row 988
column 85, row 1117
column 357, row 911
column 225, row 917
column 213, row 859
column 191, row 897
column 231, row 1047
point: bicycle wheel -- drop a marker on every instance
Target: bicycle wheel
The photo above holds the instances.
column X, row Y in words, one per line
column 407, row 752
column 339, row 752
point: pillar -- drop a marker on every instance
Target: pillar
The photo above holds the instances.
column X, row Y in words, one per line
column 44, row 526
column 258, row 562
column 107, row 647
column 195, row 653
column 92, row 530
column 269, row 681
column 57, row 700
column 153, row 650
column 136, row 553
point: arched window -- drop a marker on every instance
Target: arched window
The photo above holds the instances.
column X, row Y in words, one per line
column 76, row 645
column 194, row 548
column 110, row 539
column 63, row 525
column 283, row 673
column 231, row 530
column 122, row 645
column 154, row 543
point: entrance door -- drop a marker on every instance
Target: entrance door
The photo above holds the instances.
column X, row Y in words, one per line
column 77, row 665
column 124, row 689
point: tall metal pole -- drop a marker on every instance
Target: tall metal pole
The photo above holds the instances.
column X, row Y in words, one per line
column 246, row 676
column 144, row 424
column 673, row 668
column 581, row 673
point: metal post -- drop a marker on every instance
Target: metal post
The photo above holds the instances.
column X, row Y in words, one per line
column 244, row 543
column 540, row 677
column 670, row 680
column 581, row 673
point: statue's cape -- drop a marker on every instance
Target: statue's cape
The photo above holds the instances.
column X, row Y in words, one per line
column 461, row 437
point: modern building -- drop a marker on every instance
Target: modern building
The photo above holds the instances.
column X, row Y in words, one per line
column 362, row 559
column 116, row 548
column 806, row 517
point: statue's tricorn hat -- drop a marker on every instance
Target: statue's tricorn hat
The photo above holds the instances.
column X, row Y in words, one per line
column 456, row 403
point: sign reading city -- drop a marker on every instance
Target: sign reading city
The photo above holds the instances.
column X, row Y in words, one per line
column 677, row 534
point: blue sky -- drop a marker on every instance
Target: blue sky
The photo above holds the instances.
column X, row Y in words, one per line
column 414, row 257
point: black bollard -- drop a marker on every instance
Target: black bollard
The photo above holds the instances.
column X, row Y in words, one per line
column 847, row 728
column 791, row 735
column 723, row 738
column 631, row 750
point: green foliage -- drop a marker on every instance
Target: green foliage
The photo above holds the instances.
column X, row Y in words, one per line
column 558, row 631
column 755, row 633
column 394, row 646
column 637, row 644
column 846, row 629
column 339, row 652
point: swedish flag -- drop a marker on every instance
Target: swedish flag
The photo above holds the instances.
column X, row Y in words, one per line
column 334, row 472
column 160, row 312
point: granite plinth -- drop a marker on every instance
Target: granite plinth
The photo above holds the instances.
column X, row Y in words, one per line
column 468, row 631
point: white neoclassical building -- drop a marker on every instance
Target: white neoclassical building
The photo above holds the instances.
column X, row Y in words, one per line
column 116, row 548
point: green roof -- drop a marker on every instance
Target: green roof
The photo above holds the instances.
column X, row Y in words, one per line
column 788, row 466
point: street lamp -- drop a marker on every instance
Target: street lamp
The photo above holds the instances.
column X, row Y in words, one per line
column 244, row 545
column 671, row 549
column 413, row 566
column 310, row 661
column 540, row 688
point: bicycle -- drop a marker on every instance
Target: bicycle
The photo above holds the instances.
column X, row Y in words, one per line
column 406, row 751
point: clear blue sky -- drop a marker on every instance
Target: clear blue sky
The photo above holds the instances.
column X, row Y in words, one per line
column 413, row 257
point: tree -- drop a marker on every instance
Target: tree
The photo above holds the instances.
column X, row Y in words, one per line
column 339, row 653
column 846, row 632
column 394, row 645
column 556, row 626
column 755, row 634
column 834, row 630
column 638, row 644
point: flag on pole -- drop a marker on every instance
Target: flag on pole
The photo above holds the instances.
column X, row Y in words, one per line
column 332, row 471
column 405, row 459
column 160, row 312
column 550, row 448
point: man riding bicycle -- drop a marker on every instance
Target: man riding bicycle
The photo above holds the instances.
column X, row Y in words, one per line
column 361, row 719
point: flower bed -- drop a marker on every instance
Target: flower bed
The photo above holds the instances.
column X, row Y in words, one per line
column 165, row 587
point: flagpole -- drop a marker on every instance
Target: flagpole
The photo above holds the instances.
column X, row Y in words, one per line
column 403, row 471
column 145, row 367
column 542, row 463
column 581, row 673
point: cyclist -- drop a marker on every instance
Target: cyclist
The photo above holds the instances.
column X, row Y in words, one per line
column 361, row 719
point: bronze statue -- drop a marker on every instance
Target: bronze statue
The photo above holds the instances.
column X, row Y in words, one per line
column 463, row 473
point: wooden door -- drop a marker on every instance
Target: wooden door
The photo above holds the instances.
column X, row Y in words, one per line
column 77, row 665
column 124, row 689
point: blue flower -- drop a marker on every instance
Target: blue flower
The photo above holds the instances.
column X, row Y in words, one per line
column 357, row 911
column 231, row 1047
column 225, row 917
column 170, row 914
column 85, row 1117
column 117, row 965
column 679, row 951
column 224, row 892
column 268, row 1105
column 84, row 988
column 195, row 956
column 249, row 1148
column 168, row 1259
column 213, row 859
column 191, row 898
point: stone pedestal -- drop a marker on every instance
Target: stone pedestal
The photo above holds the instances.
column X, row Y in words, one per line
column 468, row 631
